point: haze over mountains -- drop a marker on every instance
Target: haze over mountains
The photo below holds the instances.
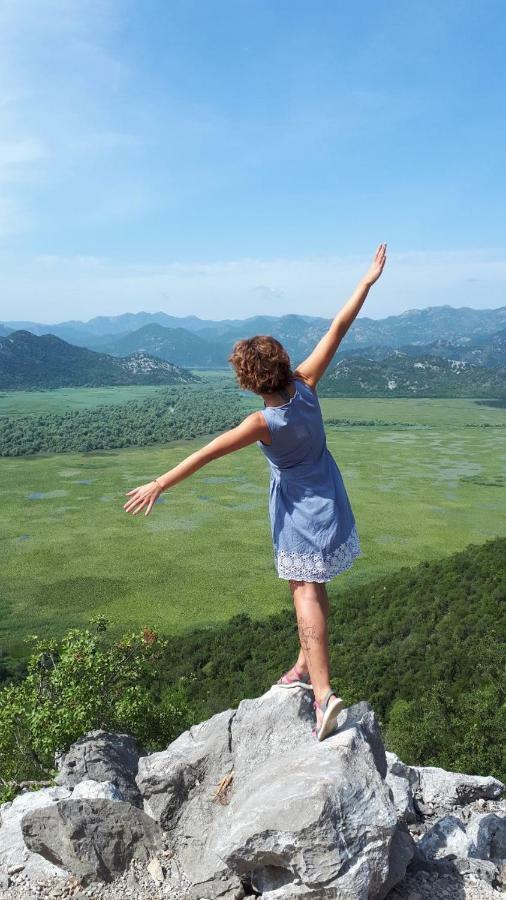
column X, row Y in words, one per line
column 203, row 342
column 437, row 351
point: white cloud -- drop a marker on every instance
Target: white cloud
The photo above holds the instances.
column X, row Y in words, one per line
column 51, row 288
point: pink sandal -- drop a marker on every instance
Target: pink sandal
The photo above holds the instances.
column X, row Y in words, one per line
column 295, row 678
column 330, row 709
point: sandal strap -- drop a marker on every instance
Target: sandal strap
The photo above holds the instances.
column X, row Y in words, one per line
column 330, row 693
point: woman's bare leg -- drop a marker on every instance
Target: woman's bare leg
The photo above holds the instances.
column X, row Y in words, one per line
column 312, row 608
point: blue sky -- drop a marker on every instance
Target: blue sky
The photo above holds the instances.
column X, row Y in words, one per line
column 235, row 157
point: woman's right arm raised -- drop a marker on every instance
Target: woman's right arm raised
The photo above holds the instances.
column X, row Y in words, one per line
column 312, row 369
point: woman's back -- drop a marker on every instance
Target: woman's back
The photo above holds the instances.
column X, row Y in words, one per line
column 297, row 430
column 312, row 523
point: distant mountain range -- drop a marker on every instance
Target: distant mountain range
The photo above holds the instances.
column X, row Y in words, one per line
column 205, row 343
column 438, row 351
column 404, row 375
column 32, row 361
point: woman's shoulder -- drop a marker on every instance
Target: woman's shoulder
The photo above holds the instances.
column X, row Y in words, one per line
column 305, row 381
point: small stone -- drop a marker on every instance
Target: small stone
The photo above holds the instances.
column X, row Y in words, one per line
column 132, row 880
column 154, row 868
column 13, row 870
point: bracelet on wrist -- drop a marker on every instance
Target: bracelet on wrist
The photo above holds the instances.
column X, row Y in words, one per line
column 158, row 483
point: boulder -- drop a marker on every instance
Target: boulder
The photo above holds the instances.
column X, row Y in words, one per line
column 14, row 853
column 440, row 790
column 102, row 756
column 487, row 836
column 447, row 839
column 93, row 839
column 250, row 797
column 96, row 790
column 170, row 781
column 403, row 781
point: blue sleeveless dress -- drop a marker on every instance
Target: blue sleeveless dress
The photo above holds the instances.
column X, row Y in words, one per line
column 312, row 523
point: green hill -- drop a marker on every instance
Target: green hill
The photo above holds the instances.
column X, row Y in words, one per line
column 425, row 646
column 31, row 361
column 405, row 375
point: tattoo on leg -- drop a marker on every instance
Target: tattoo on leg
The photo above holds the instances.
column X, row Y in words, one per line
column 307, row 633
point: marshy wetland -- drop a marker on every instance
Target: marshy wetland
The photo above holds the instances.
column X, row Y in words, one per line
column 424, row 482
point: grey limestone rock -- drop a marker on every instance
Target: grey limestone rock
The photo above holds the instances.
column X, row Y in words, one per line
column 14, row 853
column 95, row 790
column 102, row 756
column 403, row 781
column 93, row 839
column 444, row 790
column 300, row 817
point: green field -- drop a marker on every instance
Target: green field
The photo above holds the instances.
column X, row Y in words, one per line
column 205, row 553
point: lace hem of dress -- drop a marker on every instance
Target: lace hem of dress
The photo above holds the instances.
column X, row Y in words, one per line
column 319, row 566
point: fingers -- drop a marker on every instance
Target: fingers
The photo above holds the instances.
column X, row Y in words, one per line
column 134, row 500
column 140, row 496
column 138, row 502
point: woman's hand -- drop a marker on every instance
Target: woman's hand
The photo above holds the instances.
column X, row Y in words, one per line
column 145, row 494
column 376, row 267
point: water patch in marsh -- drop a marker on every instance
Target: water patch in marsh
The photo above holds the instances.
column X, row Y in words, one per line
column 39, row 495
column 84, row 481
column 246, row 506
column 457, row 471
column 24, row 537
column 221, row 479
column 249, row 488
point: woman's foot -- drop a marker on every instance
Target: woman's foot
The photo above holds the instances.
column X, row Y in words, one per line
column 327, row 713
column 295, row 677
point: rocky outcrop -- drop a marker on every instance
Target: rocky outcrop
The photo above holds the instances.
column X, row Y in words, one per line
column 301, row 818
column 248, row 803
column 93, row 839
column 100, row 757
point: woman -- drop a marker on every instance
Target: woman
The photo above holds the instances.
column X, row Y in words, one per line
column 312, row 523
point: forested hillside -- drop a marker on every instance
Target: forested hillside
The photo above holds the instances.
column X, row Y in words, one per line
column 405, row 375
column 29, row 361
column 424, row 646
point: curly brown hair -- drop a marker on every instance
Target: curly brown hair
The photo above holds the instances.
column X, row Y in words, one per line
column 261, row 364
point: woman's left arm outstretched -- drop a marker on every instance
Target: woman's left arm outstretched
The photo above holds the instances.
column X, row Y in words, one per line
column 251, row 429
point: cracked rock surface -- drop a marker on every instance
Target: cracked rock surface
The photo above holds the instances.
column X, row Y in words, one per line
column 247, row 803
